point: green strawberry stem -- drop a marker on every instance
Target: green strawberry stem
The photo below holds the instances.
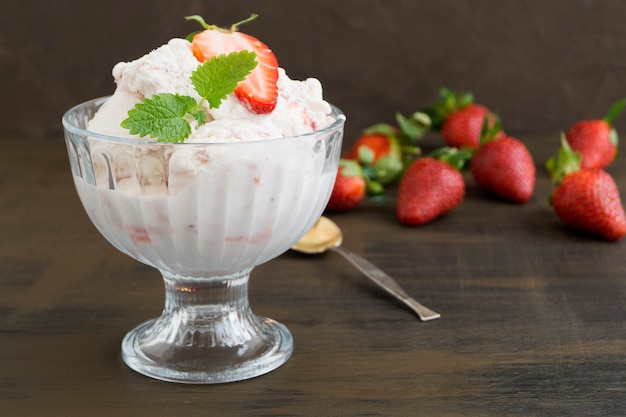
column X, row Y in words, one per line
column 564, row 163
column 233, row 28
column 457, row 158
column 614, row 111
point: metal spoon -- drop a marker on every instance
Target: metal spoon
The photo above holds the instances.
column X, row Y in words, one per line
column 325, row 235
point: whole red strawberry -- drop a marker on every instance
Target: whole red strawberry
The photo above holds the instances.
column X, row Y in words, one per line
column 504, row 167
column 428, row 189
column 586, row 200
column 590, row 201
column 596, row 140
column 459, row 119
column 462, row 128
column 349, row 188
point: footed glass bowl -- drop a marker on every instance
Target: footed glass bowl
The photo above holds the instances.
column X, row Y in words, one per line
column 204, row 215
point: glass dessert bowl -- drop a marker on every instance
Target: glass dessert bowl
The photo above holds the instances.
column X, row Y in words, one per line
column 204, row 215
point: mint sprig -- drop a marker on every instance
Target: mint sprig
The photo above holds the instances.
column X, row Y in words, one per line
column 162, row 116
column 167, row 116
column 219, row 76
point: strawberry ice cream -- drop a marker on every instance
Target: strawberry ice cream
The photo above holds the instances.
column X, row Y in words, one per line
column 300, row 107
column 214, row 203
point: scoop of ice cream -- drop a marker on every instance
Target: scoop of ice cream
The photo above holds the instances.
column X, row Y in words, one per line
column 300, row 107
column 166, row 169
column 166, row 69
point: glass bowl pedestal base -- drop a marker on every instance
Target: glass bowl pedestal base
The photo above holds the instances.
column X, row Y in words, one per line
column 207, row 334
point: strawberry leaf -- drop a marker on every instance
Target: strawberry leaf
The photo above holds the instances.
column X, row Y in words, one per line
column 219, row 76
column 366, row 155
column 388, row 168
column 458, row 158
column 373, row 188
column 614, row 138
column 380, row 129
column 450, row 102
column 614, row 111
column 415, row 126
column 350, row 168
column 490, row 131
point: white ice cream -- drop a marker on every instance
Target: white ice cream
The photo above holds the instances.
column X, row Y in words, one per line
column 223, row 200
column 239, row 205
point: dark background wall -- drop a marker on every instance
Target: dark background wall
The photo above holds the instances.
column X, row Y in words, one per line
column 541, row 64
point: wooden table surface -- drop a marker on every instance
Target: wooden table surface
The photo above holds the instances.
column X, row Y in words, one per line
column 533, row 315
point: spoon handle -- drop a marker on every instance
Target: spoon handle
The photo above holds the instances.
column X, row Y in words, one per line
column 383, row 280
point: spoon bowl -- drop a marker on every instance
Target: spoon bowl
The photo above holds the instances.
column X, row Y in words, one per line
column 326, row 235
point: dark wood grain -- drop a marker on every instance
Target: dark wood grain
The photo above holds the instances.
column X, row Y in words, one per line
column 532, row 314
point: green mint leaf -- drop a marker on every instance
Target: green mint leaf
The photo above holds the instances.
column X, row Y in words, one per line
column 219, row 76
column 200, row 116
column 162, row 117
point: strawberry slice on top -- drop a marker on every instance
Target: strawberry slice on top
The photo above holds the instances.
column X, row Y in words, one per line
column 259, row 91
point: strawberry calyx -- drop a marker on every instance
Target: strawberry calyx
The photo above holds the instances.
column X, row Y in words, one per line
column 233, row 28
column 565, row 162
column 457, row 158
column 385, row 170
column 460, row 158
column 379, row 151
column 413, row 127
column 491, row 130
column 450, row 103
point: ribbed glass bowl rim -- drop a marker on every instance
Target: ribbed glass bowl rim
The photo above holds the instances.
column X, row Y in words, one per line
column 339, row 121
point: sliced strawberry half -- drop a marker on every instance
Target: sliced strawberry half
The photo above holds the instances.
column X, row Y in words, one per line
column 259, row 91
